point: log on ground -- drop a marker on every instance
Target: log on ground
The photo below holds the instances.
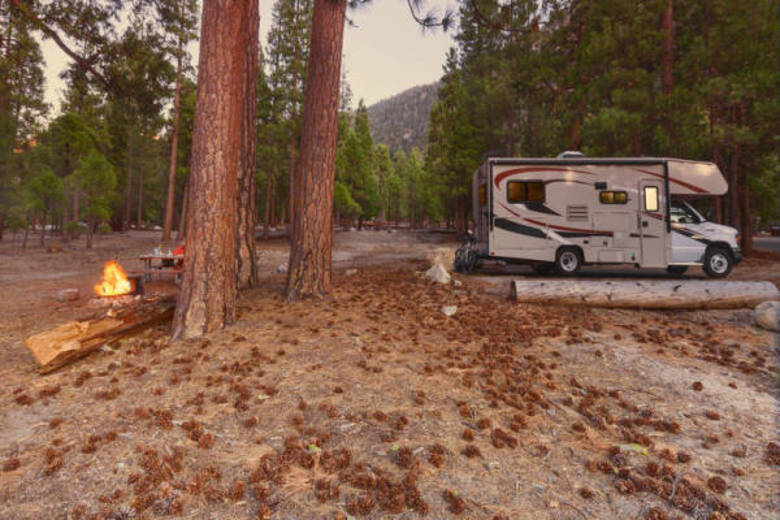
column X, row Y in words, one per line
column 645, row 294
column 55, row 348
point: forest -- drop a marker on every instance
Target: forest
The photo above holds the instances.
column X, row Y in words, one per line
column 303, row 350
column 632, row 78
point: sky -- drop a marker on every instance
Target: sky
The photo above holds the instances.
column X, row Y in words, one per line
column 384, row 54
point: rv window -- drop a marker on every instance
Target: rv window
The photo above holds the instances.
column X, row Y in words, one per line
column 651, row 198
column 524, row 191
column 482, row 195
column 613, row 197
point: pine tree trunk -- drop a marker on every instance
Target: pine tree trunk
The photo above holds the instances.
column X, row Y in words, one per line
column 746, row 228
column 170, row 200
column 90, row 231
column 292, row 160
column 312, row 238
column 268, row 202
column 734, row 179
column 129, row 186
column 667, row 68
column 208, row 289
column 461, row 224
column 247, row 205
column 183, row 217
column 139, row 212
column 76, row 206
column 43, row 231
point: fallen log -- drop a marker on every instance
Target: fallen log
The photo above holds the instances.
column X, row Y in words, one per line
column 645, row 294
column 55, row 348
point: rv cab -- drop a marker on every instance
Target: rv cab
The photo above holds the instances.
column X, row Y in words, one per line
column 560, row 214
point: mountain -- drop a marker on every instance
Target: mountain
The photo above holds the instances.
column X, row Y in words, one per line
column 401, row 122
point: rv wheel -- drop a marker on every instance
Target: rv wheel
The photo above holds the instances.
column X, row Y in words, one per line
column 568, row 261
column 717, row 262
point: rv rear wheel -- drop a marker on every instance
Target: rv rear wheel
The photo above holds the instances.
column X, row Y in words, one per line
column 717, row 262
column 677, row 270
column 568, row 261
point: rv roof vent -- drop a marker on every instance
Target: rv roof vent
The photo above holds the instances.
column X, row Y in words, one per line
column 577, row 213
column 570, row 154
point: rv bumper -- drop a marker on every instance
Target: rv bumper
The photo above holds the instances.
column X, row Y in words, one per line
column 737, row 254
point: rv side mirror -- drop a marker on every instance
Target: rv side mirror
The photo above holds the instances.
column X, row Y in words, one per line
column 708, row 215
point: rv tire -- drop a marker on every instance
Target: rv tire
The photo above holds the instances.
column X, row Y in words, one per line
column 718, row 262
column 568, row 261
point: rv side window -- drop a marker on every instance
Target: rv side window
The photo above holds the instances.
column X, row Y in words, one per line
column 613, row 197
column 482, row 195
column 651, row 198
column 524, row 191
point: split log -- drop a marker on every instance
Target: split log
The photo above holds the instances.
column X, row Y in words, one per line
column 645, row 294
column 55, row 348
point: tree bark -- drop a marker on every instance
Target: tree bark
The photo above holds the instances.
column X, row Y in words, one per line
column 43, row 230
column 139, row 212
column 734, row 178
column 208, row 290
column 170, row 201
column 183, row 217
column 461, row 223
column 309, row 273
column 129, row 186
column 292, row 160
column 667, row 67
column 746, row 227
column 76, row 205
column 267, row 217
column 247, row 205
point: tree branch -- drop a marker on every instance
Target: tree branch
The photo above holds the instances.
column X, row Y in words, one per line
column 85, row 64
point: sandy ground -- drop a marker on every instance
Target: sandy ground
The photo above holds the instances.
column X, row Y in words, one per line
column 374, row 404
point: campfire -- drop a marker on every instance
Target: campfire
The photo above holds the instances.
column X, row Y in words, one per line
column 115, row 282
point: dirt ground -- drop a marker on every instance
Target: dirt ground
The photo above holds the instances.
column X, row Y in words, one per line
column 374, row 404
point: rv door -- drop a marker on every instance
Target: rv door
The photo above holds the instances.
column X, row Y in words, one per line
column 651, row 222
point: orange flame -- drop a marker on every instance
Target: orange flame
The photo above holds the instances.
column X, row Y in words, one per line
column 115, row 281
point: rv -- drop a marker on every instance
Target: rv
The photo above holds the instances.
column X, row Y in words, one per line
column 560, row 214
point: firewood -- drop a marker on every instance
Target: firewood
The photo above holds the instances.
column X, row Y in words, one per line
column 645, row 294
column 56, row 348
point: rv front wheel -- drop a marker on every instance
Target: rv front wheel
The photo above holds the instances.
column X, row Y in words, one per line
column 717, row 262
column 568, row 261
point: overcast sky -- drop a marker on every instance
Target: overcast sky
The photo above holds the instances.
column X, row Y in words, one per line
column 385, row 54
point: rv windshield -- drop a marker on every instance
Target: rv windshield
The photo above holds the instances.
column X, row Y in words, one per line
column 684, row 213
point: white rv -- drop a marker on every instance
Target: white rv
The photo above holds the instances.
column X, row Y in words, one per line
column 560, row 214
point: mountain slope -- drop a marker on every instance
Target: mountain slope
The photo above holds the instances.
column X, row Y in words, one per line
column 401, row 122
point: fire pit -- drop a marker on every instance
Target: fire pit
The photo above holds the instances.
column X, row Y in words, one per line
column 116, row 287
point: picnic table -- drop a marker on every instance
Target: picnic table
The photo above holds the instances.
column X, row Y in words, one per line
column 161, row 263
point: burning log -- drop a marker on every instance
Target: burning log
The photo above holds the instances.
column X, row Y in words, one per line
column 55, row 348
column 121, row 314
column 645, row 294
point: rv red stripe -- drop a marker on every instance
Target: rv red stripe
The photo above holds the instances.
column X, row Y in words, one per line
column 564, row 228
column 691, row 187
column 503, row 175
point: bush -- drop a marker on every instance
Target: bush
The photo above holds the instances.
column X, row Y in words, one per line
column 105, row 228
column 74, row 229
